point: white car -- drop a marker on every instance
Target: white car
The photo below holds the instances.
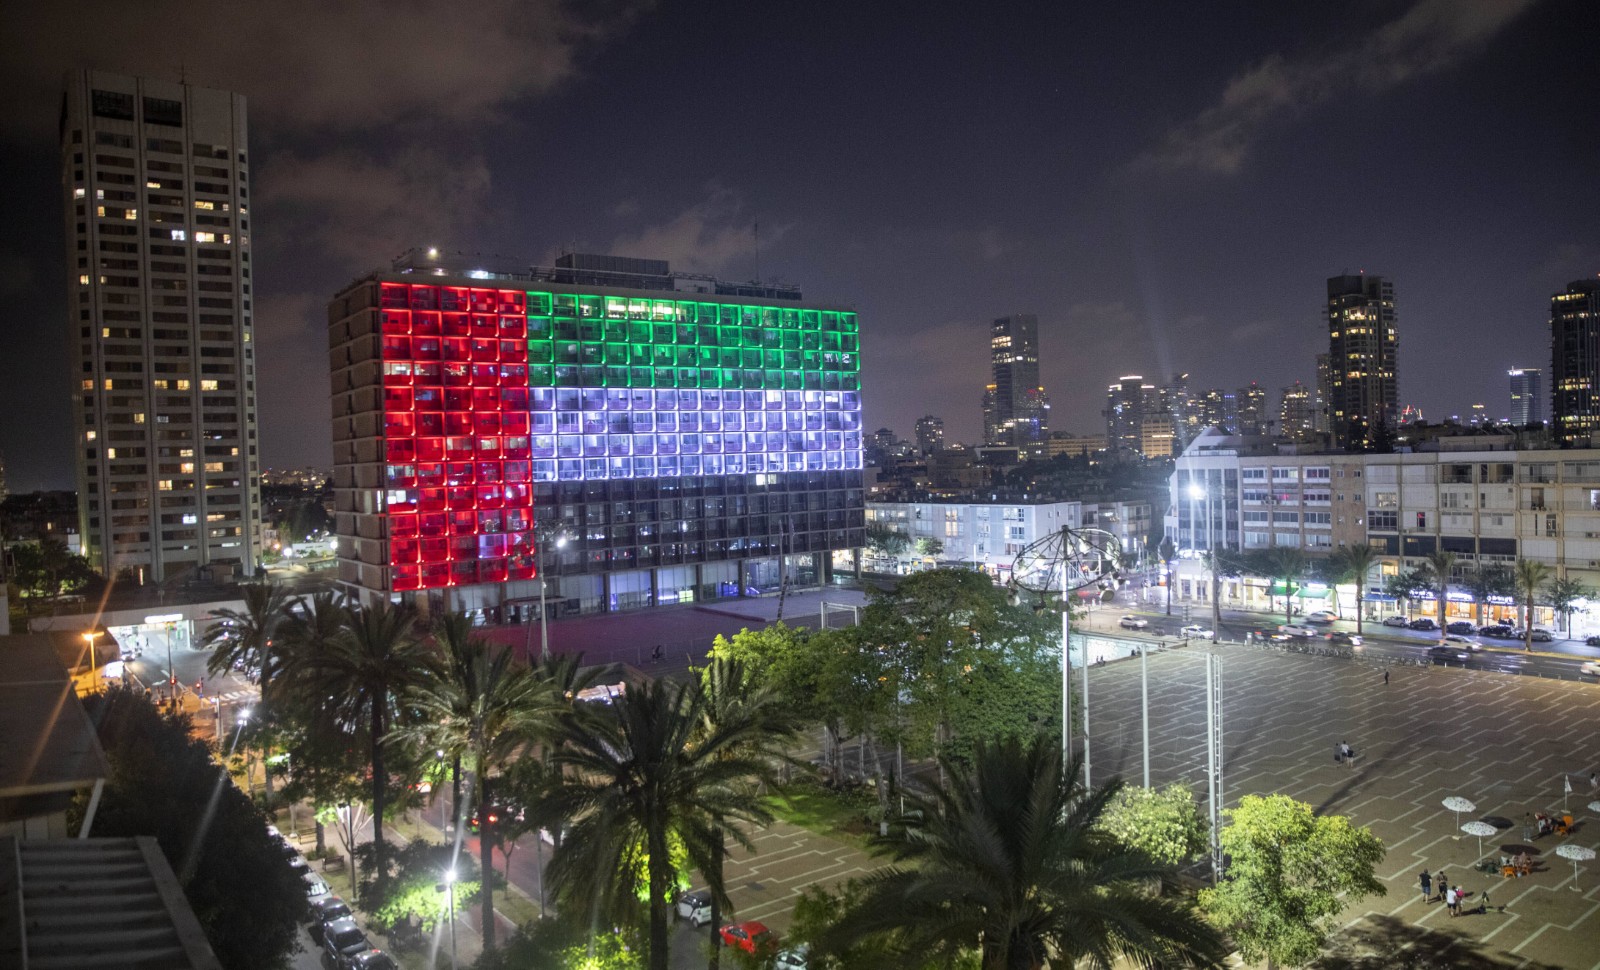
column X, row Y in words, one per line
column 1196, row 631
column 795, row 958
column 1295, row 630
column 695, row 907
column 1321, row 617
column 1395, row 621
column 1589, row 668
column 316, row 886
column 1133, row 623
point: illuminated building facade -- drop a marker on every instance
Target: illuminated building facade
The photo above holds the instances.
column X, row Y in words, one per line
column 155, row 180
column 1126, row 402
column 1527, row 396
column 1016, row 410
column 1363, row 396
column 1575, row 361
column 681, row 445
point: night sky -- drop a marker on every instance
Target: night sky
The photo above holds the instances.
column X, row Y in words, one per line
column 1166, row 185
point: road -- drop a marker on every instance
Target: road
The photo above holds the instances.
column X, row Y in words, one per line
column 1560, row 658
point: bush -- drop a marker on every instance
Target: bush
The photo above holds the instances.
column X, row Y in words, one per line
column 411, row 893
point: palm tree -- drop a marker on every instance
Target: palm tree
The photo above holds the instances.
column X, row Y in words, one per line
column 1531, row 574
column 1010, row 861
column 363, row 673
column 249, row 635
column 1486, row 581
column 1352, row 564
column 649, row 778
column 736, row 700
column 1288, row 564
column 480, row 705
column 1167, row 551
column 1563, row 594
column 1440, row 564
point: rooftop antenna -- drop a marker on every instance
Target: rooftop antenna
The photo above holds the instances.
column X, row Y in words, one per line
column 756, row 232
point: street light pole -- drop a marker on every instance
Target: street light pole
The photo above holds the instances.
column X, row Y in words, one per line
column 450, row 885
column 560, row 539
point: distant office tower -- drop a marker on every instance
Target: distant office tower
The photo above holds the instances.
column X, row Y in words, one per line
column 156, row 185
column 1176, row 404
column 1294, row 413
column 1156, row 436
column 1251, row 407
column 930, row 433
column 1015, row 408
column 1126, row 403
column 1575, row 360
column 1362, row 345
column 1324, row 393
column 1527, row 396
column 1215, row 409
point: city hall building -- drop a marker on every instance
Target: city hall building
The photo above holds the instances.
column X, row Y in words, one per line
column 638, row 437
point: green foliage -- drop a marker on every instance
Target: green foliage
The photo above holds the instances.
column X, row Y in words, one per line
column 163, row 783
column 819, row 908
column 1010, row 861
column 410, row 891
column 1163, row 823
column 929, row 546
column 885, row 540
column 1290, row 874
column 47, row 568
column 565, row 944
column 1565, row 593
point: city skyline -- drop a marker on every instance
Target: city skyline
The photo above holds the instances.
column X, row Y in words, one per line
column 1123, row 197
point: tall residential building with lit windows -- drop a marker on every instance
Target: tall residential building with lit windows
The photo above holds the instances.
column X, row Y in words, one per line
column 1016, row 410
column 1363, row 398
column 1127, row 403
column 634, row 436
column 1575, row 361
column 155, row 183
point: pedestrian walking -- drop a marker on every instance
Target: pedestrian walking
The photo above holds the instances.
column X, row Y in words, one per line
column 1444, row 885
column 1427, row 885
column 1594, row 781
column 1386, row 676
column 1450, row 902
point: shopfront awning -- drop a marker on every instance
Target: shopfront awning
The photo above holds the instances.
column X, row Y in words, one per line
column 1304, row 593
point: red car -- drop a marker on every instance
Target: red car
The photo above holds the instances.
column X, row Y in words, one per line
column 752, row 937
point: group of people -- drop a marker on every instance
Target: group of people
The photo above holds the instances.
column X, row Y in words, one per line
column 1521, row 864
column 1451, row 896
column 1536, row 824
column 1344, row 753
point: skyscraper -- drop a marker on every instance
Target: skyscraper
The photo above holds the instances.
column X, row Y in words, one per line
column 930, row 433
column 1251, row 404
column 1216, row 409
column 155, row 181
column 1362, row 343
column 1176, row 404
column 1294, row 413
column 1015, row 408
column 1527, row 396
column 1323, row 393
column 1575, row 361
column 1126, row 403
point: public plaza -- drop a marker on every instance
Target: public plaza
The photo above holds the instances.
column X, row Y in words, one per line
column 1505, row 743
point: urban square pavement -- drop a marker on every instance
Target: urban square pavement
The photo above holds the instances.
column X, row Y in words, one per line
column 1505, row 743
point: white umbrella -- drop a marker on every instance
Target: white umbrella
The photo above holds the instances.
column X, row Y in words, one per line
column 1594, row 806
column 1577, row 853
column 1457, row 804
column 1480, row 829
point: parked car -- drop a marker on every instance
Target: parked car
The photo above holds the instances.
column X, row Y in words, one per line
column 1299, row 631
column 342, row 939
column 1592, row 641
column 1394, row 621
column 1444, row 654
column 1351, row 639
column 1459, row 626
column 1197, row 631
column 694, row 906
column 1422, row 623
column 371, row 960
column 1589, row 668
column 496, row 813
column 1323, row 617
column 1133, row 623
column 752, row 937
column 1499, row 631
column 1542, row 636
column 797, row 958
column 328, row 909
column 316, row 886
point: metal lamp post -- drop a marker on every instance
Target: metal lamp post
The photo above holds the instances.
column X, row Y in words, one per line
column 541, row 538
column 450, row 887
column 88, row 639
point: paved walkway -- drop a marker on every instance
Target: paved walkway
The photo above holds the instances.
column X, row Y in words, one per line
column 765, row 884
column 1505, row 743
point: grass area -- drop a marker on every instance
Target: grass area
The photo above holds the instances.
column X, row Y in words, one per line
column 837, row 814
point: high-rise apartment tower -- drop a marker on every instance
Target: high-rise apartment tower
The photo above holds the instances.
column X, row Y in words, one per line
column 930, row 433
column 155, row 179
column 1575, row 361
column 1363, row 397
column 1016, row 410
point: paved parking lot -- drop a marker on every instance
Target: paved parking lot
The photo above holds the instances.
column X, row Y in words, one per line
column 1505, row 743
